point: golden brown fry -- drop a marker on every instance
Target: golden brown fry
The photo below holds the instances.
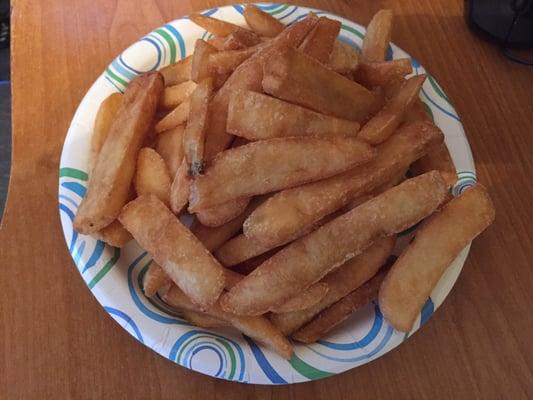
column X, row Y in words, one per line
column 179, row 72
column 439, row 159
column 200, row 66
column 176, row 117
column 194, row 135
column 174, row 95
column 113, row 234
column 223, row 213
column 238, row 250
column 247, row 76
column 217, row 42
column 180, row 188
column 387, row 120
column 241, row 248
column 250, row 115
column 310, row 258
column 249, row 265
column 380, row 73
column 303, row 206
column 169, row 145
column 214, row 237
column 377, row 38
column 241, row 39
column 437, row 243
column 203, row 320
column 258, row 328
column 216, row 26
column 338, row 312
column 104, row 119
column 295, row 77
column 274, row 164
column 110, row 182
column 344, row 59
column 308, row 298
column 181, row 255
column 151, row 175
column 348, row 277
column 321, row 40
column 223, row 62
column 261, row 22
column 154, row 279
column 418, row 112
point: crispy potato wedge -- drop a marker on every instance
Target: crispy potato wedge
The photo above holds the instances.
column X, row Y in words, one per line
column 437, row 243
column 418, row 112
column 380, row 73
column 274, row 164
column 154, row 279
column 113, row 172
column 200, row 65
column 389, row 118
column 238, row 250
column 438, row 159
column 181, row 255
column 180, row 188
column 241, row 39
column 348, row 277
column 177, row 73
column 261, row 22
column 310, row 258
column 377, row 37
column 293, row 210
column 241, row 248
column 214, row 237
column 217, row 42
column 321, row 40
column 203, row 320
column 247, row 76
column 344, row 59
column 250, row 116
column 113, row 234
column 174, row 95
column 104, row 119
column 151, row 175
column 309, row 297
column 216, row 26
column 169, row 145
column 258, row 328
column 221, row 214
column 194, row 135
column 340, row 311
column 224, row 62
column 249, row 265
column 175, row 118
column 295, row 77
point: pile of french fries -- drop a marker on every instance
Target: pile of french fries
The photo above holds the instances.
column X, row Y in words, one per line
column 291, row 150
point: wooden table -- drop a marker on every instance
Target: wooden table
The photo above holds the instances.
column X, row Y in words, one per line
column 56, row 341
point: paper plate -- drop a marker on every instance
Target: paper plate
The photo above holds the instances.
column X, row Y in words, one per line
column 114, row 275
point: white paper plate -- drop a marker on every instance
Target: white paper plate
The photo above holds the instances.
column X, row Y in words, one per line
column 114, row 275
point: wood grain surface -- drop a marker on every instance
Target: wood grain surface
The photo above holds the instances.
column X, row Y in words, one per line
column 56, row 341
